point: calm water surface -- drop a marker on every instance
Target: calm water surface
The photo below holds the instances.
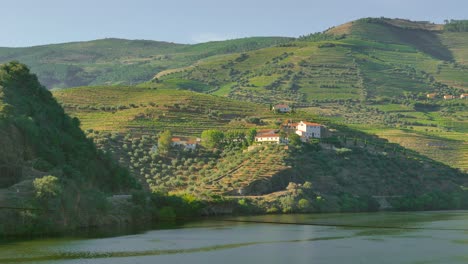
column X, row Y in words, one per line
column 217, row 241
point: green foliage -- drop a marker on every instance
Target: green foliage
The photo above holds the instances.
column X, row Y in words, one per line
column 251, row 136
column 364, row 203
column 303, row 204
column 307, row 185
column 288, row 204
column 167, row 213
column 164, row 142
column 55, row 138
column 48, row 140
column 212, row 138
column 171, row 206
column 139, row 197
column 120, row 61
column 47, row 187
column 42, row 165
column 295, row 140
column 343, row 151
column 435, row 200
column 456, row 25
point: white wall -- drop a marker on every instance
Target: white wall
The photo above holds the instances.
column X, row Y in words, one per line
column 309, row 131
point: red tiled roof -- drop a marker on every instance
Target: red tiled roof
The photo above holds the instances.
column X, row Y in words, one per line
column 267, row 135
column 265, row 131
column 311, row 124
column 184, row 140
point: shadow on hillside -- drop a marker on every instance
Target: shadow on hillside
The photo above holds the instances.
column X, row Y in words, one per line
column 426, row 41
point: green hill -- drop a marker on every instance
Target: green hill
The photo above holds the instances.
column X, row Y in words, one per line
column 46, row 162
column 361, row 60
column 119, row 61
column 379, row 67
column 126, row 123
column 366, row 80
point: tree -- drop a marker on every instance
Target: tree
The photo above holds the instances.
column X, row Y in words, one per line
column 287, row 204
column 47, row 187
column 212, row 138
column 295, row 140
column 251, row 135
column 307, row 185
column 303, row 204
column 164, row 142
column 235, row 135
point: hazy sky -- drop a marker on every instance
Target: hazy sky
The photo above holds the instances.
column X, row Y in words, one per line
column 34, row 22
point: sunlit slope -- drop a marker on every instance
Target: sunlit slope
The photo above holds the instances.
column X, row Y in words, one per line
column 119, row 61
column 361, row 60
column 145, row 110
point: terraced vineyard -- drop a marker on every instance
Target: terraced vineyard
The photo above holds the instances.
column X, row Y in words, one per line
column 438, row 133
column 436, row 146
column 147, row 111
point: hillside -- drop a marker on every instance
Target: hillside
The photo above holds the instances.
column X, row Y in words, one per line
column 371, row 73
column 46, row 161
column 119, row 61
column 361, row 60
column 126, row 122
column 367, row 81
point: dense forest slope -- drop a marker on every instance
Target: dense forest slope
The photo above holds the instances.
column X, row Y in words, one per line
column 119, row 61
column 46, row 162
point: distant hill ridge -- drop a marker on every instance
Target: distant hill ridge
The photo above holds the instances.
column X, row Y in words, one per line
column 119, row 61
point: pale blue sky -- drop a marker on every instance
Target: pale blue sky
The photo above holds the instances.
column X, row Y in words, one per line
column 34, row 22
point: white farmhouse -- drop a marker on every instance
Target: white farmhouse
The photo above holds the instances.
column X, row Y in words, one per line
column 186, row 143
column 268, row 136
column 309, row 130
column 271, row 138
column 282, row 108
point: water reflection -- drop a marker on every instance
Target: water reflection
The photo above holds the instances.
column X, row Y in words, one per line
column 233, row 242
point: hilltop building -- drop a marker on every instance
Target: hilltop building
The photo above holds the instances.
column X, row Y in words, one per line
column 449, row 97
column 306, row 130
column 431, row 95
column 289, row 125
column 186, row 143
column 269, row 136
column 309, row 130
column 282, row 108
column 464, row 96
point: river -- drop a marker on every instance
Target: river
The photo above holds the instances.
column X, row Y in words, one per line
column 389, row 237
